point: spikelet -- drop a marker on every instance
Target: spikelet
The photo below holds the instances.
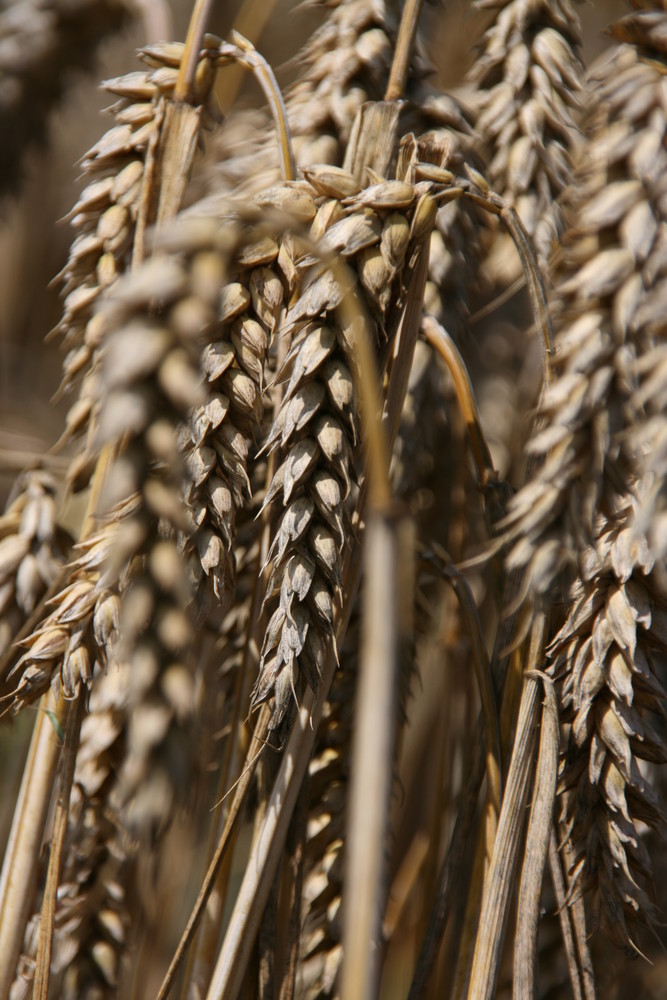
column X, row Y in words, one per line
column 600, row 412
column 327, row 794
column 41, row 42
column 32, row 550
column 223, row 429
column 527, row 102
column 62, row 650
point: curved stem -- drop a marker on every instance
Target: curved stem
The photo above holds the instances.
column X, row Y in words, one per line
column 440, row 341
column 245, row 53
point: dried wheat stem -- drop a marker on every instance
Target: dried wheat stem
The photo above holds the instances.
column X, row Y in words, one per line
column 244, row 52
column 404, row 52
column 401, row 362
column 372, row 756
column 439, row 339
column 368, row 389
column 495, row 205
column 484, row 680
column 450, row 869
column 537, row 844
column 183, row 90
column 240, row 789
column 448, row 876
column 69, row 752
column 499, row 881
column 296, row 851
column 250, row 22
column 20, row 866
column 573, row 929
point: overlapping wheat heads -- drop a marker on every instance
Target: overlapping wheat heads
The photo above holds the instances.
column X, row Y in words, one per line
column 581, row 516
column 242, row 372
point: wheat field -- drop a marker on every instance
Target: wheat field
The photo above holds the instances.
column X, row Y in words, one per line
column 333, row 446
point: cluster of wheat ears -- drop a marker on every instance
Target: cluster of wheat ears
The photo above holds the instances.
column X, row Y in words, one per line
column 344, row 689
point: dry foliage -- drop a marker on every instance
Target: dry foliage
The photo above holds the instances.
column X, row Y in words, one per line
column 359, row 501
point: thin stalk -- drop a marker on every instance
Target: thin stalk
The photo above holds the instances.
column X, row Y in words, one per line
column 401, row 363
column 565, row 917
column 290, row 915
column 450, row 869
column 244, row 52
column 439, row 339
column 448, row 876
column 498, row 887
column 483, row 676
column 43, row 966
column 256, row 746
column 368, row 388
column 537, row 846
column 21, row 863
column 405, row 42
column 372, row 756
column 577, row 914
column 184, row 89
column 494, row 204
column 250, row 21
